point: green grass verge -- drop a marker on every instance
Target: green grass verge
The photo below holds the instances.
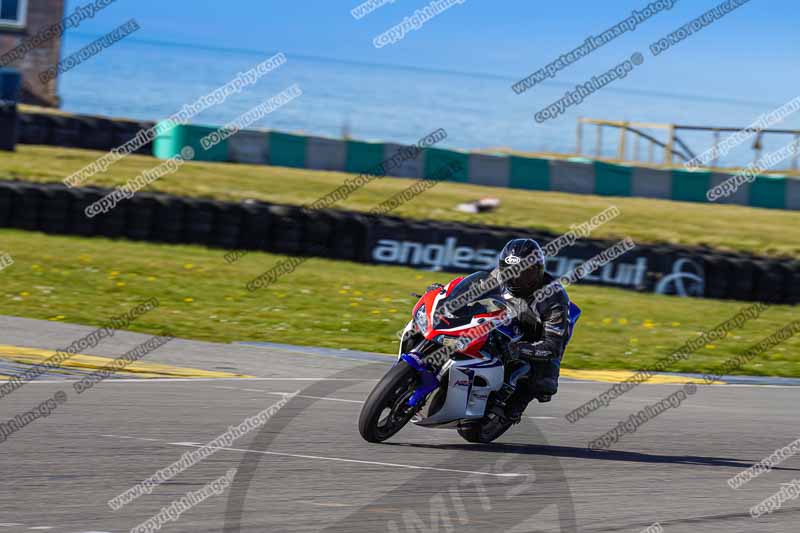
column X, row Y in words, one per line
column 764, row 231
column 339, row 304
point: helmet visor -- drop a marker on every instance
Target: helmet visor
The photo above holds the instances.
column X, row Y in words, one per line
column 524, row 281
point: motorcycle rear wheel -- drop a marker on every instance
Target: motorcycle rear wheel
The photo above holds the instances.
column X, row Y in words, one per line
column 483, row 431
column 386, row 410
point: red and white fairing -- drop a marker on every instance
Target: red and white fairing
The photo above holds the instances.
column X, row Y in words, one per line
column 477, row 329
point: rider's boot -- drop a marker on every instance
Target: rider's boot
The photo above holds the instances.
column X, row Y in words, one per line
column 518, row 403
column 523, row 396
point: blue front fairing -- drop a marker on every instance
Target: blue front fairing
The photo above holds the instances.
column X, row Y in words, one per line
column 428, row 381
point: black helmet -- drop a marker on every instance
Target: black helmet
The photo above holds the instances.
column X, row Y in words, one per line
column 521, row 267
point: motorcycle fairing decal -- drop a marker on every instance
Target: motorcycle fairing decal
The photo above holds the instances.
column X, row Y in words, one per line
column 471, row 378
column 484, row 364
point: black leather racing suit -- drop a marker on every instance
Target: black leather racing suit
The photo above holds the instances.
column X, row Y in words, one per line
column 545, row 329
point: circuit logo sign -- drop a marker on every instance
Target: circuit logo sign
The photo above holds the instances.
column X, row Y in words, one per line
column 435, row 256
column 450, row 256
column 686, row 279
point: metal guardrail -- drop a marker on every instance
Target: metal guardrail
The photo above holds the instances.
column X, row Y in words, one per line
column 674, row 147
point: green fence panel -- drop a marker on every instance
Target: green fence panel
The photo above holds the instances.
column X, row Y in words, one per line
column 690, row 186
column 529, row 173
column 768, row 191
column 363, row 157
column 287, row 150
column 436, row 159
column 170, row 143
column 612, row 180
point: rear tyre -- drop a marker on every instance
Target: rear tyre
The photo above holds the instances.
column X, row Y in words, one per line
column 484, row 430
column 386, row 410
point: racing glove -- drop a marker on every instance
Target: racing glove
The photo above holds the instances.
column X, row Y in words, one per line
column 532, row 351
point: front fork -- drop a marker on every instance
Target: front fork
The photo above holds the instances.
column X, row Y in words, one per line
column 428, row 380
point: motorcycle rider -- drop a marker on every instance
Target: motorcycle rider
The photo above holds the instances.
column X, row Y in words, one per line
column 546, row 318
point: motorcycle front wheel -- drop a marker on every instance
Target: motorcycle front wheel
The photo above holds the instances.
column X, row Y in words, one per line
column 386, row 410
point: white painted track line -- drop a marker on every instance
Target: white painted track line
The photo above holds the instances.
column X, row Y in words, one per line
column 357, row 461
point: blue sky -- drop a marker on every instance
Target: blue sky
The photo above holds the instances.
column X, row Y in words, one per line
column 749, row 55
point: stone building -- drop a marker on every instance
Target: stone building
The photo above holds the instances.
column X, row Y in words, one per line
column 30, row 41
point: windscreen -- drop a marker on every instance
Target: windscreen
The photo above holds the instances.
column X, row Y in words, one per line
column 484, row 299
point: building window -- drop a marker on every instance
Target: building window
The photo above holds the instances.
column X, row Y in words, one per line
column 12, row 13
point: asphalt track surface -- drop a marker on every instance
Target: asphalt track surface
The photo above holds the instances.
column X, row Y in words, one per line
column 307, row 468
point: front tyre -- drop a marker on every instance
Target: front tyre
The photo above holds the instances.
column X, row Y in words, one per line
column 386, row 410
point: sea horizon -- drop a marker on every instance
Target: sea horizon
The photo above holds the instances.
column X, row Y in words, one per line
column 381, row 102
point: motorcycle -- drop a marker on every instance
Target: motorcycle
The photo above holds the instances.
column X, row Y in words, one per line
column 456, row 367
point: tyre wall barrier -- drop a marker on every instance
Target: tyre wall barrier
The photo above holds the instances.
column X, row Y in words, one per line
column 79, row 131
column 386, row 240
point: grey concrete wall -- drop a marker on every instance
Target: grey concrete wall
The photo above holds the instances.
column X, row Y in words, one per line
column 571, row 176
column 411, row 168
column 249, row 147
column 325, row 154
column 651, row 183
column 489, row 170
